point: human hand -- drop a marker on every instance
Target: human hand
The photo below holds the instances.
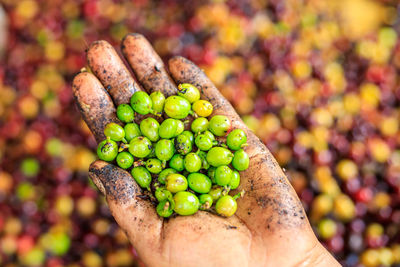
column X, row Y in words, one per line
column 270, row 227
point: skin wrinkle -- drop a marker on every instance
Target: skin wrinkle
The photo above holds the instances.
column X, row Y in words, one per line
column 247, row 227
column 136, row 231
column 310, row 258
column 209, row 219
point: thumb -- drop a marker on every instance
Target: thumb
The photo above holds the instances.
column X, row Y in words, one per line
column 135, row 215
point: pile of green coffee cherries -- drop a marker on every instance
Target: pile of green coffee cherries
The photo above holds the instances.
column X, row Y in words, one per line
column 181, row 170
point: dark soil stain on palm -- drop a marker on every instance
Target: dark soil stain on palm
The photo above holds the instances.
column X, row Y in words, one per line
column 118, row 184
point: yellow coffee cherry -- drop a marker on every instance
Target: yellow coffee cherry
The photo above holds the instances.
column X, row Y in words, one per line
column 203, row 108
column 334, row 74
column 305, row 139
column 8, row 244
column 389, row 126
column 343, row 208
column 379, row 149
column 39, row 89
column 32, row 141
column 6, row 182
column 301, row 69
column 352, row 103
column 64, row 205
column 269, row 124
column 370, row 95
column 327, row 184
column 381, row 200
column 374, row 230
column 322, row 204
column 101, row 227
column 396, row 253
column 91, row 259
column 7, row 95
column 121, row 257
column 327, row 228
column 29, row 107
column 86, row 206
column 322, row 117
column 387, row 37
column 27, row 9
column 386, row 256
column 54, row 50
column 35, row 257
column 12, row 226
column 346, row 169
column 370, row 258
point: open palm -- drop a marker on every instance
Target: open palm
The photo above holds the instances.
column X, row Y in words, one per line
column 269, row 228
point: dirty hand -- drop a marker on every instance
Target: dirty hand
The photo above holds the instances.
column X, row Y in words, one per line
column 270, row 227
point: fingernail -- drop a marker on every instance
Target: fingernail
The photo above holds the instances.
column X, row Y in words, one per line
column 97, row 182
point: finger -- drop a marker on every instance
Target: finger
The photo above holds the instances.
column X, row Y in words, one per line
column 136, row 216
column 108, row 67
column 184, row 71
column 147, row 65
column 94, row 103
column 270, row 202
